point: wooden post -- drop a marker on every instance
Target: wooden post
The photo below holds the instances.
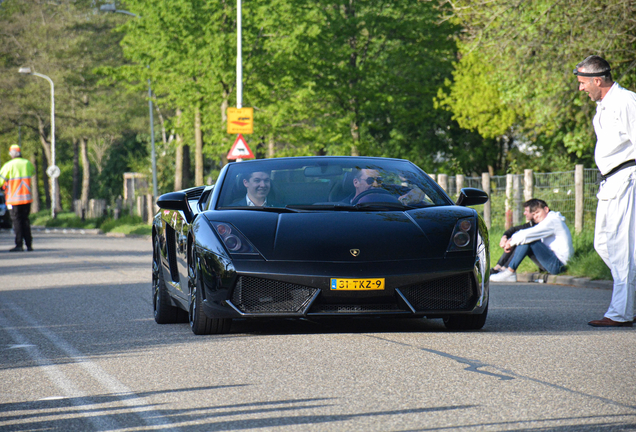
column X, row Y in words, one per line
column 508, row 222
column 517, row 209
column 433, row 176
column 579, row 201
column 151, row 209
column 528, row 185
column 459, row 183
column 442, row 179
column 485, row 185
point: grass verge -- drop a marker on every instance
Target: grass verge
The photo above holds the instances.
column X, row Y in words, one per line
column 126, row 224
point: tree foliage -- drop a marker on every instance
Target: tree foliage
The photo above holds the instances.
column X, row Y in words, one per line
column 514, row 74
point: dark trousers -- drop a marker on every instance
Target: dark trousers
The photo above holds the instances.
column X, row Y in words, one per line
column 21, row 224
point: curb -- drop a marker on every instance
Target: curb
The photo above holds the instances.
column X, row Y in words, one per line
column 565, row 280
column 44, row 230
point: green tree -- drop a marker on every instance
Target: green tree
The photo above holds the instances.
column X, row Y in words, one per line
column 520, row 56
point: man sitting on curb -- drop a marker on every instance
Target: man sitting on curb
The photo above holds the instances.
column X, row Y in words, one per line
column 549, row 240
column 506, row 257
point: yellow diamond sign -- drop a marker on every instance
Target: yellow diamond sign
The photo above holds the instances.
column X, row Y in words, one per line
column 240, row 120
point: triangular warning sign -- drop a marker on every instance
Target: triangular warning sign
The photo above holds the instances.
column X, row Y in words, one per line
column 240, row 149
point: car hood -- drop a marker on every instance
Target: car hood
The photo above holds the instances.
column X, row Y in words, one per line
column 349, row 236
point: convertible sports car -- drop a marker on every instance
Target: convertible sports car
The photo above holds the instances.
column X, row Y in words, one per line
column 318, row 237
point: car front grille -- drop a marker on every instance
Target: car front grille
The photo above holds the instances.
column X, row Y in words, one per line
column 258, row 295
column 457, row 292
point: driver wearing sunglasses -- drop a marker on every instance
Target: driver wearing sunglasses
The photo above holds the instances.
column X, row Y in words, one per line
column 366, row 179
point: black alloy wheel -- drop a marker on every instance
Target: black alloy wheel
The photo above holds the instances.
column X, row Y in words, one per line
column 164, row 311
column 199, row 321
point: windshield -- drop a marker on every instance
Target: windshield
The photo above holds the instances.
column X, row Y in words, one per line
column 320, row 183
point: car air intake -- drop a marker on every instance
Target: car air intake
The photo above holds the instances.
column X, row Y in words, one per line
column 456, row 292
column 257, row 295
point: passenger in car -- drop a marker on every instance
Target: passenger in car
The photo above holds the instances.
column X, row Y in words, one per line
column 258, row 185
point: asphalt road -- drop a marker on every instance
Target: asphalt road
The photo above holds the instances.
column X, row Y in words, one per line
column 79, row 350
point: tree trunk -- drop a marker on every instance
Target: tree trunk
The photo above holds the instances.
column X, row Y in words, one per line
column 224, row 106
column 47, row 161
column 35, row 193
column 178, row 163
column 76, row 177
column 198, row 148
column 86, row 172
column 46, row 157
column 187, row 167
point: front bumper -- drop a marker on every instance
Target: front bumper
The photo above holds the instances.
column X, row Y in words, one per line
column 454, row 287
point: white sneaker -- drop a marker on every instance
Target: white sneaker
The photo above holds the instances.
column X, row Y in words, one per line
column 504, row 276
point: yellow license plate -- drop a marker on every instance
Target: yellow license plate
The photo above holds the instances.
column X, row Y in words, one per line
column 357, row 284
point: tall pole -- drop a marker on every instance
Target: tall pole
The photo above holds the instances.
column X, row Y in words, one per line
column 53, row 177
column 239, row 57
column 155, row 193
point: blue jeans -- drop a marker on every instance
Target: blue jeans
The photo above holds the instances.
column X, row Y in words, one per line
column 543, row 253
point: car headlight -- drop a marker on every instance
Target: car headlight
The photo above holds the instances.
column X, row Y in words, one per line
column 462, row 237
column 233, row 240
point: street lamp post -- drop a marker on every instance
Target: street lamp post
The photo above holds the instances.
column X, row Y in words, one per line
column 110, row 7
column 53, row 171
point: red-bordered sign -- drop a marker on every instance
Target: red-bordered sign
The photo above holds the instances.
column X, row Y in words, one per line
column 240, row 149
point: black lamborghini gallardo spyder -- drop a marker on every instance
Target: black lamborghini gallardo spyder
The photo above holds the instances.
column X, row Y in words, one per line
column 319, row 237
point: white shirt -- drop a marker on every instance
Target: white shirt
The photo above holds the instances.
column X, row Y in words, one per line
column 615, row 127
column 251, row 204
column 553, row 232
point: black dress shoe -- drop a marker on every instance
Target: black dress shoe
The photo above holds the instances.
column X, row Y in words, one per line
column 606, row 322
column 17, row 249
column 30, row 248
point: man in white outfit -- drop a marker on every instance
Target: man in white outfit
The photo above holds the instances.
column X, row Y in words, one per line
column 615, row 153
column 549, row 241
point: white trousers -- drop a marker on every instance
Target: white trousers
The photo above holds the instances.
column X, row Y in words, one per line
column 615, row 240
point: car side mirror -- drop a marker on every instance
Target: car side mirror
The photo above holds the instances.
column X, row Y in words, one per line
column 176, row 201
column 471, row 196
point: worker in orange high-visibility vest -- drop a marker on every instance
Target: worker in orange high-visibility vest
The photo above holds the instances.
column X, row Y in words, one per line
column 15, row 178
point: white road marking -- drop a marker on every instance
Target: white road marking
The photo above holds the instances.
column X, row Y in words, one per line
column 58, row 378
column 126, row 396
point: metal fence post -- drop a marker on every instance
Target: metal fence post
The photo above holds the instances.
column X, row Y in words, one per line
column 579, row 200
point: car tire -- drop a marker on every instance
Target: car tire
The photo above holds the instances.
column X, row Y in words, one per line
column 199, row 321
column 164, row 311
column 466, row 322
